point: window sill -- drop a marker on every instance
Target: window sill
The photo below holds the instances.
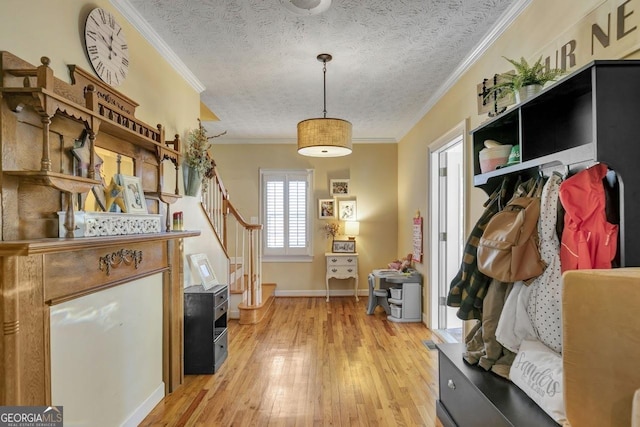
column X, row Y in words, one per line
column 287, row 258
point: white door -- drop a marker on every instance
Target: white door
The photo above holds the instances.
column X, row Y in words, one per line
column 447, row 237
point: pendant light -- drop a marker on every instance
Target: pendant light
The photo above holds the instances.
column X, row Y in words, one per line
column 324, row 137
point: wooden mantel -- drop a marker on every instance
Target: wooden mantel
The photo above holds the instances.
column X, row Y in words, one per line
column 43, row 118
column 36, row 274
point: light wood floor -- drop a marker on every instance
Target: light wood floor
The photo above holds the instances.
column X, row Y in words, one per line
column 313, row 363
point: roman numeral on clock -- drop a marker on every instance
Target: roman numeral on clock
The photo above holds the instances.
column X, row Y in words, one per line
column 106, row 46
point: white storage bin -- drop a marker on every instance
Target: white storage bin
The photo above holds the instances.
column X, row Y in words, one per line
column 396, row 293
column 396, row 311
column 93, row 224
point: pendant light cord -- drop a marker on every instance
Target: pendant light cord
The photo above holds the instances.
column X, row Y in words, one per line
column 324, row 86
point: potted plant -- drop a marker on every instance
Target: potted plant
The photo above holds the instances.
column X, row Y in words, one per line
column 198, row 167
column 527, row 80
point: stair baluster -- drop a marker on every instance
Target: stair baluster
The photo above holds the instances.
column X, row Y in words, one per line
column 244, row 250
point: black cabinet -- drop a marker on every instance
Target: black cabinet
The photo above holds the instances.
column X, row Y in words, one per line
column 472, row 397
column 589, row 116
column 205, row 328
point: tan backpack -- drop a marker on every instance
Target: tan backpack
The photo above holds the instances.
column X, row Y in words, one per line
column 508, row 249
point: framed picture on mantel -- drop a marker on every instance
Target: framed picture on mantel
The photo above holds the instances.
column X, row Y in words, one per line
column 133, row 194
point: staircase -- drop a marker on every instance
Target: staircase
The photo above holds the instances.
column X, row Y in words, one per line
column 242, row 245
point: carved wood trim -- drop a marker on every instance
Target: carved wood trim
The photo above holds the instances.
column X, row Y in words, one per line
column 114, row 259
column 104, row 92
column 38, row 273
column 104, row 107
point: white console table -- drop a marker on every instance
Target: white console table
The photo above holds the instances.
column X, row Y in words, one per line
column 342, row 266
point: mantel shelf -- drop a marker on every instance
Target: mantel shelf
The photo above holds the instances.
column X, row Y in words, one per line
column 43, row 246
column 59, row 181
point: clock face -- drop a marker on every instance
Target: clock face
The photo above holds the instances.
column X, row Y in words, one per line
column 106, row 46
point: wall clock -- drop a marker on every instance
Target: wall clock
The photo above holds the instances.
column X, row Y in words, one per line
column 106, row 47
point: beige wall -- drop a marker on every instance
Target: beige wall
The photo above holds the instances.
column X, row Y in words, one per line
column 389, row 181
column 35, row 28
column 55, row 29
column 372, row 171
column 541, row 24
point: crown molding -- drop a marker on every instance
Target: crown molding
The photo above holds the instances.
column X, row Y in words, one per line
column 505, row 20
column 293, row 141
column 143, row 27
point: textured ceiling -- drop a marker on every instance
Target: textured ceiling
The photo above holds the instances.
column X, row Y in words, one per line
column 257, row 60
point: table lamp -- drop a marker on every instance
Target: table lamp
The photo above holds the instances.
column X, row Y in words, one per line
column 351, row 229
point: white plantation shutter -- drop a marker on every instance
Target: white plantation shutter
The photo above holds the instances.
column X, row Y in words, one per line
column 297, row 214
column 275, row 214
column 286, row 212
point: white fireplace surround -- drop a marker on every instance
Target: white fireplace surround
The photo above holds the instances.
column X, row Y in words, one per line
column 106, row 354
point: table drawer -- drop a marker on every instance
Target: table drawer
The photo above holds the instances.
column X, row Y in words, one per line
column 221, row 309
column 220, row 346
column 220, row 297
column 342, row 260
column 342, row 270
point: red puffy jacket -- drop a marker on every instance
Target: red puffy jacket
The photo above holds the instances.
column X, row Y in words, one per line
column 588, row 239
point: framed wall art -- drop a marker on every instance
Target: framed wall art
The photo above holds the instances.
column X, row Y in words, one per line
column 347, row 210
column 326, row 208
column 133, row 194
column 339, row 187
column 200, row 264
column 343, row 246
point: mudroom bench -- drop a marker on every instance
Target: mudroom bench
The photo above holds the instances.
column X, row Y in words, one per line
column 471, row 396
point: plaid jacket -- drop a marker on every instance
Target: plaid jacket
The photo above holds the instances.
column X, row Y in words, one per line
column 469, row 287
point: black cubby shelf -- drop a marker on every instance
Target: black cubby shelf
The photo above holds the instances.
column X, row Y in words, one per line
column 590, row 116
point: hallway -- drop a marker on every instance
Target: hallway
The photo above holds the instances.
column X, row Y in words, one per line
column 314, row 363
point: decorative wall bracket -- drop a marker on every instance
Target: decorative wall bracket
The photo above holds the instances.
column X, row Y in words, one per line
column 114, row 259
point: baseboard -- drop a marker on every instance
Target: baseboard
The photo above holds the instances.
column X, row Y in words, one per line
column 145, row 407
column 234, row 301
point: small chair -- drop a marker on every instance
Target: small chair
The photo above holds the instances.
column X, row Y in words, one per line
column 377, row 297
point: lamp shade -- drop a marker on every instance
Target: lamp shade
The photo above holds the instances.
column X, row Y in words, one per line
column 351, row 228
column 324, row 137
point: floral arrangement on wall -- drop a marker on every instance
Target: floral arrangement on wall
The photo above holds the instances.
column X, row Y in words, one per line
column 331, row 229
column 200, row 163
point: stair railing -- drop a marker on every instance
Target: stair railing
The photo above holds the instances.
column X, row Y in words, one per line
column 244, row 248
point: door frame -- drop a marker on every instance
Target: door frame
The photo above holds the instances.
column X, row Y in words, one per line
column 461, row 129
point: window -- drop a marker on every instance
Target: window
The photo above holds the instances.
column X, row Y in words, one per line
column 286, row 213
